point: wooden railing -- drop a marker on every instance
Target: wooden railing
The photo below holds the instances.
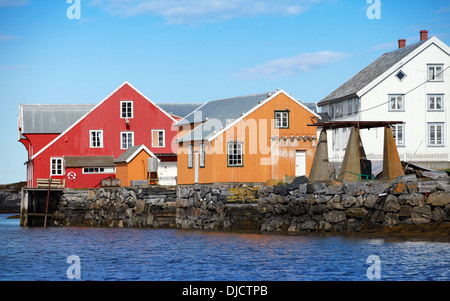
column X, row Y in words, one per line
column 55, row 184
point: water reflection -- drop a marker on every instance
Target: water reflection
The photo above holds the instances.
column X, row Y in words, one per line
column 148, row 254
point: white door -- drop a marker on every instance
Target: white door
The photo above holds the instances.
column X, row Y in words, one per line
column 300, row 163
column 196, row 166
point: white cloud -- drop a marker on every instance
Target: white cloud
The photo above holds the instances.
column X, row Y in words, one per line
column 15, row 68
column 443, row 10
column 8, row 3
column 4, row 37
column 198, row 11
column 304, row 62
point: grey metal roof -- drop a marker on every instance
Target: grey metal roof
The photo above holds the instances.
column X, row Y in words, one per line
column 56, row 118
column 312, row 106
column 179, row 109
column 89, row 161
column 223, row 109
column 370, row 73
column 127, row 154
column 50, row 118
column 218, row 113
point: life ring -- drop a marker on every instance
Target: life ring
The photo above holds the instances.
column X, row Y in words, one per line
column 72, row 176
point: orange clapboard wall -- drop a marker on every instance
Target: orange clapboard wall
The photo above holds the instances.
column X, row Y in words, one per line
column 263, row 157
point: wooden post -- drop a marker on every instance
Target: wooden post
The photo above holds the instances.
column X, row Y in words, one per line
column 319, row 169
column 351, row 166
column 392, row 165
column 48, row 197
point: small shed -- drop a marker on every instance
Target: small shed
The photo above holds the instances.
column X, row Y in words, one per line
column 132, row 165
column 86, row 171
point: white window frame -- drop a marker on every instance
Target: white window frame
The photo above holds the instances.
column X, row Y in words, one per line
column 98, row 170
column 235, row 154
column 433, row 128
column 335, row 139
column 163, row 138
column 395, row 129
column 350, row 106
column 404, row 75
column 58, row 172
column 435, row 98
column 281, row 119
column 202, row 155
column 92, row 140
column 339, row 109
column 128, row 111
column 190, row 156
column 396, row 102
column 433, row 75
column 357, row 105
column 121, row 140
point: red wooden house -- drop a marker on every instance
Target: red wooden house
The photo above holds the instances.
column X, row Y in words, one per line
column 79, row 143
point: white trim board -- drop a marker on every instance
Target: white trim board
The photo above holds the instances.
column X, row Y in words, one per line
column 431, row 41
column 257, row 107
column 142, row 147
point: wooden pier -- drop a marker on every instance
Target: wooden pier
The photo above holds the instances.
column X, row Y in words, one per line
column 38, row 204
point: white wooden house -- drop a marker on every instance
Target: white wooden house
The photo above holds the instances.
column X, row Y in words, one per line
column 410, row 84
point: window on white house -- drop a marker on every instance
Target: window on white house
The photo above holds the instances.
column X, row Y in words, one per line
column 126, row 109
column 435, row 72
column 95, row 170
column 127, row 140
column 398, row 131
column 56, row 166
column 339, row 109
column 346, row 135
column 436, row 134
column 281, row 119
column 235, row 154
column 396, row 103
column 401, row 75
column 202, row 155
column 350, row 106
column 331, row 106
column 158, row 138
column 356, row 105
column 96, row 138
column 335, row 140
column 190, row 156
column 435, row 102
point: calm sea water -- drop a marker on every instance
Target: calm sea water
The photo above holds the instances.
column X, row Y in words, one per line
column 147, row 254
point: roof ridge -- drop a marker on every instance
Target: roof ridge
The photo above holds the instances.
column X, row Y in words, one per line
column 241, row 96
column 371, row 72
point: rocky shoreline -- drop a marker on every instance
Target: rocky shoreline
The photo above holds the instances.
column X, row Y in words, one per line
column 409, row 207
column 10, row 197
column 319, row 207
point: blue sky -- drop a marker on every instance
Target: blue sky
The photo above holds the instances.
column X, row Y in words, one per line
column 191, row 51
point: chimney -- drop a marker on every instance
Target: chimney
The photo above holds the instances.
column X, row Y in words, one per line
column 401, row 43
column 423, row 35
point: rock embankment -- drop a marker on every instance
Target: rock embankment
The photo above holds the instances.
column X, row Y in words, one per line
column 332, row 207
column 294, row 208
column 119, row 207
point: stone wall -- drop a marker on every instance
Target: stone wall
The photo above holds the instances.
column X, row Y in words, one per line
column 117, row 207
column 218, row 207
column 297, row 207
column 333, row 207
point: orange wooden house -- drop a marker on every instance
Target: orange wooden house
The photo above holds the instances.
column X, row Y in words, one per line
column 132, row 165
column 247, row 139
